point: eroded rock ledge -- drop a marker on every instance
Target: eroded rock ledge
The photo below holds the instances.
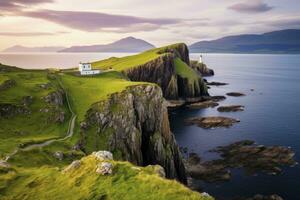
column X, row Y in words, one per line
column 134, row 125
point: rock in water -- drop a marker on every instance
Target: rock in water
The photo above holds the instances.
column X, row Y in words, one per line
column 255, row 158
column 216, row 83
column 211, row 122
column 104, row 168
column 233, row 108
column 203, row 104
column 103, row 155
column 235, row 94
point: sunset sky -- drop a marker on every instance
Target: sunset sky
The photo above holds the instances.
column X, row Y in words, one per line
column 84, row 22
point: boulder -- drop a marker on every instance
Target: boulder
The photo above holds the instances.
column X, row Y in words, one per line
column 59, row 155
column 103, row 155
column 104, row 168
column 73, row 166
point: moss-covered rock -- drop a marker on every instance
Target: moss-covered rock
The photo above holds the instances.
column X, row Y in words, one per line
column 135, row 123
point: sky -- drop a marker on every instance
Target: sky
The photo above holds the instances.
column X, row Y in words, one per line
column 160, row 22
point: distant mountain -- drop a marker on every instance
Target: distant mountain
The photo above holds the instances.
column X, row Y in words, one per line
column 129, row 44
column 19, row 48
column 284, row 41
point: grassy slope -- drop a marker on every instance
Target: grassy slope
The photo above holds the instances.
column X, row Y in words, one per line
column 120, row 64
column 27, row 128
column 37, row 177
column 123, row 63
column 86, row 90
column 185, row 71
column 127, row 182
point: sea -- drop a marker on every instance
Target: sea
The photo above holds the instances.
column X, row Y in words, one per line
column 271, row 117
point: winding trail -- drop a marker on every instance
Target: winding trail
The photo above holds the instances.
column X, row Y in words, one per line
column 69, row 134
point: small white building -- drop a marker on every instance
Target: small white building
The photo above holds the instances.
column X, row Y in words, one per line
column 86, row 69
column 200, row 59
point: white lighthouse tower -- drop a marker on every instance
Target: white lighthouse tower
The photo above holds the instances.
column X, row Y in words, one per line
column 200, row 59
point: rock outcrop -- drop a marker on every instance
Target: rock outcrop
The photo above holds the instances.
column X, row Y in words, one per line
column 134, row 125
column 7, row 84
column 162, row 72
column 54, row 108
column 201, row 68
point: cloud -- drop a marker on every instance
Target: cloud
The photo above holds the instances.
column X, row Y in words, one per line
column 30, row 34
column 14, row 5
column 95, row 21
column 251, row 6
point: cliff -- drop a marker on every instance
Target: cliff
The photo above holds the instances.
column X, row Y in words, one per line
column 134, row 125
column 201, row 68
column 171, row 71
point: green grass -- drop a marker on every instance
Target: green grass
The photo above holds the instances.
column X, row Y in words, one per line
column 87, row 90
column 120, row 64
column 126, row 182
column 185, row 71
column 28, row 128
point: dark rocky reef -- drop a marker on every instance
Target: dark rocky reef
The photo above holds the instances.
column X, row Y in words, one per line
column 232, row 108
column 134, row 125
column 211, row 122
column 201, row 68
column 235, row 94
column 216, row 83
column 243, row 154
column 203, row 104
column 162, row 72
column 261, row 197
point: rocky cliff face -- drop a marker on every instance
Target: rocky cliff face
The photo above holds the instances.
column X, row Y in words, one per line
column 134, row 125
column 162, row 72
column 201, row 68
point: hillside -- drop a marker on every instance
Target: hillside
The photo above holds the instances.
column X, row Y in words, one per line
column 82, row 181
column 49, row 118
column 284, row 41
column 19, row 48
column 168, row 66
column 129, row 44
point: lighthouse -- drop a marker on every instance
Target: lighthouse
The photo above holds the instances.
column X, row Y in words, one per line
column 200, row 59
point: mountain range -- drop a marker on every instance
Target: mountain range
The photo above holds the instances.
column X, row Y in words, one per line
column 19, row 48
column 283, row 41
column 129, row 44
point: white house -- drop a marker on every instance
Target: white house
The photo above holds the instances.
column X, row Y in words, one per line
column 86, row 69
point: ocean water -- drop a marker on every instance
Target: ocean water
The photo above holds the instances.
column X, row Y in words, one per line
column 53, row 60
column 271, row 117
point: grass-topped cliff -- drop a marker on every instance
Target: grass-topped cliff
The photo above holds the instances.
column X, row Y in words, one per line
column 49, row 118
column 167, row 66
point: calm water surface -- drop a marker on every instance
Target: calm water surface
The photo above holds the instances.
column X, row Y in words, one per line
column 52, row 60
column 271, row 116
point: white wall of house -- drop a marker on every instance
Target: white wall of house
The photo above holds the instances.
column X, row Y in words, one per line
column 86, row 69
column 90, row 72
